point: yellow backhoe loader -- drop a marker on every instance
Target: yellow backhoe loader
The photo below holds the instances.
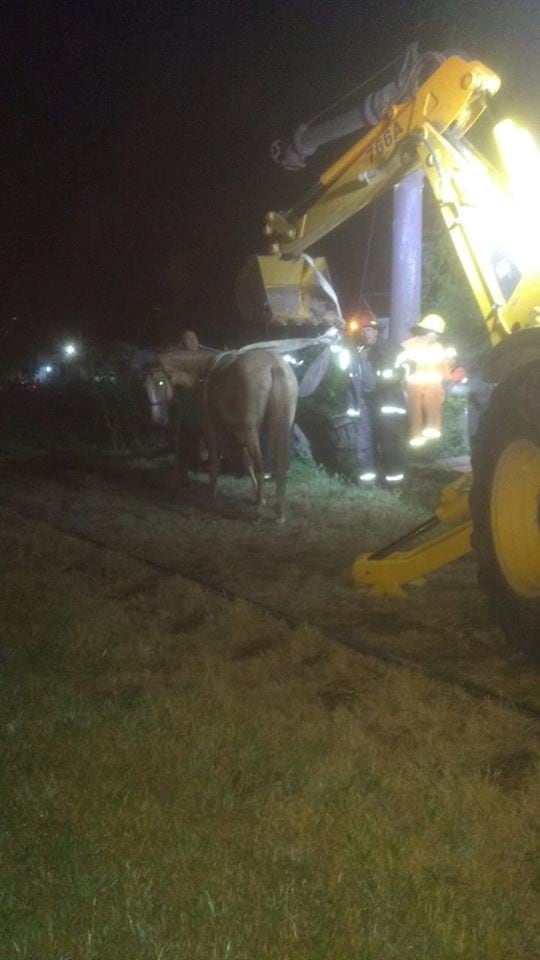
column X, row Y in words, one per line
column 494, row 225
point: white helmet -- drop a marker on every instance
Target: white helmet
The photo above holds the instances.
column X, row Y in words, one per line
column 432, row 322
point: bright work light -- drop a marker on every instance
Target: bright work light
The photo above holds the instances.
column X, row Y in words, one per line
column 521, row 158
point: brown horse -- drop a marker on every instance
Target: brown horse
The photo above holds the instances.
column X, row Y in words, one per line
column 239, row 392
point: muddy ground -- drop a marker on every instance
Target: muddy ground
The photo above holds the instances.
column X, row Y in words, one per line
column 299, row 571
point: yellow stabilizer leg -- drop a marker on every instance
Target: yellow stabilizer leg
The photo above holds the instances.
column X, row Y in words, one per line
column 388, row 574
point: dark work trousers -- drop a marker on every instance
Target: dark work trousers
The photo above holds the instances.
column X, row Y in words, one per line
column 360, row 377
column 365, row 446
column 390, row 440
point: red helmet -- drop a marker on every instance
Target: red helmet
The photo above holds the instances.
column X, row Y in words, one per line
column 361, row 319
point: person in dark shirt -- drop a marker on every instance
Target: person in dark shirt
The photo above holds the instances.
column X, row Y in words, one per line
column 382, row 416
column 361, row 385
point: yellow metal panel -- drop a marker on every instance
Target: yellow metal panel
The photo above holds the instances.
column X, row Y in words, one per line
column 282, row 292
column 469, row 191
column 391, row 573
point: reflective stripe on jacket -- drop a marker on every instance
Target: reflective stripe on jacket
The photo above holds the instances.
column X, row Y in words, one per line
column 425, row 361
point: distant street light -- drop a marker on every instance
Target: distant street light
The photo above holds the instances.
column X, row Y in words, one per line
column 70, row 349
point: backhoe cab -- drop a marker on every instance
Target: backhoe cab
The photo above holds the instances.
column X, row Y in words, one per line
column 492, row 217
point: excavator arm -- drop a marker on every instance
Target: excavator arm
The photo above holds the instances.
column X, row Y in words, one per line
column 500, row 256
column 452, row 98
column 428, row 133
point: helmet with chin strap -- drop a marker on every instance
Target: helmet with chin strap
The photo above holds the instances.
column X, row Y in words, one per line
column 362, row 320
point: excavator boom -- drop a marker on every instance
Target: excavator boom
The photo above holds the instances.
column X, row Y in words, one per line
column 493, row 225
column 428, row 133
column 454, row 96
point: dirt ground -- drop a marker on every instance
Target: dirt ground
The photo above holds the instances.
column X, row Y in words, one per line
column 299, row 571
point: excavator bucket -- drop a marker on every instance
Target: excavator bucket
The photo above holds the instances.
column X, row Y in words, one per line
column 281, row 292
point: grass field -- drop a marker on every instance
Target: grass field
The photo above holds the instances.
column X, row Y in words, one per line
column 188, row 779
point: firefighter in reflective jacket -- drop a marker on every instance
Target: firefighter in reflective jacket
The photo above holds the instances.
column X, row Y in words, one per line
column 360, row 387
column 427, row 364
column 384, row 402
column 389, row 411
column 378, row 403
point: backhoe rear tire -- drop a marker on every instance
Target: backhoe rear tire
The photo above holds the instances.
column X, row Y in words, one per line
column 505, row 506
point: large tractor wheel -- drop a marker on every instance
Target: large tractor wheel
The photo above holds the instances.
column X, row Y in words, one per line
column 505, row 506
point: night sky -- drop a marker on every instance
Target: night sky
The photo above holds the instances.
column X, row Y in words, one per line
column 137, row 135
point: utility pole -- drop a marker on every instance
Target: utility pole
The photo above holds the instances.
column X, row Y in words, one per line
column 406, row 282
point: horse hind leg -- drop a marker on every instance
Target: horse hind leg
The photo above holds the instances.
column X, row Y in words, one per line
column 213, row 461
column 248, row 464
column 281, row 485
column 281, row 412
column 251, row 452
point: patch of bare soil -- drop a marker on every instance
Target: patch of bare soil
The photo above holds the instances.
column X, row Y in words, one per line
column 299, row 571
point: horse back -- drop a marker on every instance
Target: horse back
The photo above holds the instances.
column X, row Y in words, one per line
column 239, row 393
